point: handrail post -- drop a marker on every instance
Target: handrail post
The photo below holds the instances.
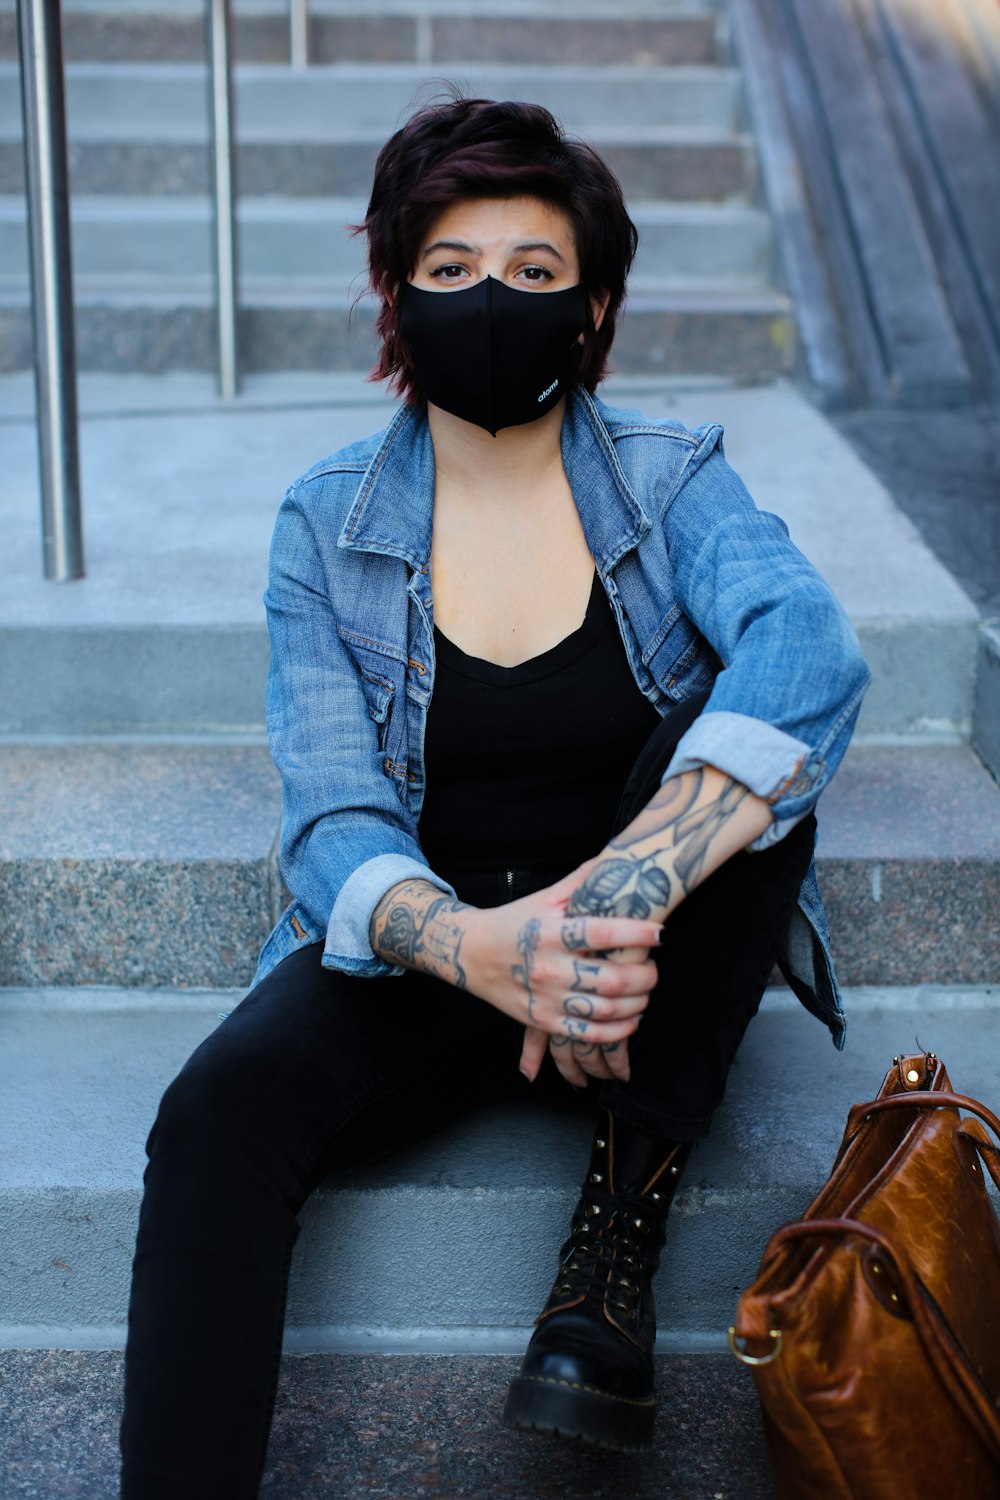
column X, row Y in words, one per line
column 39, row 29
column 223, row 192
column 299, row 33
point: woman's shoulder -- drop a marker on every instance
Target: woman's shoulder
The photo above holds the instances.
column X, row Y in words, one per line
column 350, row 461
column 657, row 455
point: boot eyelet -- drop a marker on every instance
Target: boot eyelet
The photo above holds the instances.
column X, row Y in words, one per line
column 593, row 1211
column 640, row 1225
column 599, row 1143
column 596, row 1178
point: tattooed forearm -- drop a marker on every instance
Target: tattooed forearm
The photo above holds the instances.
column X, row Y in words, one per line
column 414, row 925
column 676, row 818
column 527, row 946
column 667, row 850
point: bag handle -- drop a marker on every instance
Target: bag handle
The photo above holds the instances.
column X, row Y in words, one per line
column 946, row 1356
column 920, row 1099
column 972, row 1131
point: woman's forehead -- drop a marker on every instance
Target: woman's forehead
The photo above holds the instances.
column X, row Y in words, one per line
column 490, row 223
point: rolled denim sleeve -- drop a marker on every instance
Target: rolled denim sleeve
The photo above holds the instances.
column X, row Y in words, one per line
column 345, row 836
column 783, row 708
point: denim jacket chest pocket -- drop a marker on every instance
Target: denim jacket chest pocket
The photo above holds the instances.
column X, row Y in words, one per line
column 383, row 672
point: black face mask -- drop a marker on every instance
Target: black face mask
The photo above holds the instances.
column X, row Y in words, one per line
column 493, row 355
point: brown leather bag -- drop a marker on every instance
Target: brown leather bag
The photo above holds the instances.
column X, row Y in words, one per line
column 873, row 1327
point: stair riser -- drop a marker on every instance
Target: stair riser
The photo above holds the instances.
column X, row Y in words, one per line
column 154, row 103
column 164, row 38
column 133, row 922
column 161, row 924
column 318, row 245
column 710, row 171
column 379, row 1261
column 738, row 345
column 398, row 1252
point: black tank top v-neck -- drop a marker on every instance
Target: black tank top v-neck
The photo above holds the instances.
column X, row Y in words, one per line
column 525, row 765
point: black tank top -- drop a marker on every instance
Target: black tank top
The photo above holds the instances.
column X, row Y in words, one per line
column 525, row 765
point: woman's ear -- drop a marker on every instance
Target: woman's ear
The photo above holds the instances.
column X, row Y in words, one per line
column 598, row 307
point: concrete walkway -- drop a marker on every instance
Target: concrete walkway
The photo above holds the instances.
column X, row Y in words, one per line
column 352, row 1427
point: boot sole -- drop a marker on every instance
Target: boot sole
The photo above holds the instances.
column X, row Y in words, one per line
column 594, row 1417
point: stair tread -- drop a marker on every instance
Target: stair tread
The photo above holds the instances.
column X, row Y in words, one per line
column 403, row 1429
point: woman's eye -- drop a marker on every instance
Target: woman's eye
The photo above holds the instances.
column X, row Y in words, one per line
column 449, row 272
column 535, row 274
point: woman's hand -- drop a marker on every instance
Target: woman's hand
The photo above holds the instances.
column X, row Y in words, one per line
column 552, row 972
column 548, row 970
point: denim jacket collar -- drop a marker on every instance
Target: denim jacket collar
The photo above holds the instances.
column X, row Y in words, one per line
column 613, row 520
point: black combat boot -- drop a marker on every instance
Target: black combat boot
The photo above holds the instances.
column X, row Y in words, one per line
column 588, row 1370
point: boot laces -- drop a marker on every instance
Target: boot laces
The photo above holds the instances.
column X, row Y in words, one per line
column 603, row 1257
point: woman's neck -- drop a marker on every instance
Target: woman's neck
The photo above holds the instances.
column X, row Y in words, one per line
column 471, row 462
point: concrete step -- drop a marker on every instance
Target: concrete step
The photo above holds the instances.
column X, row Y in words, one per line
column 166, row 633
column 451, row 1245
column 665, row 162
column 137, row 864
column 640, row 34
column 168, row 102
column 153, row 864
column 152, row 326
column 350, row 1426
column 299, row 238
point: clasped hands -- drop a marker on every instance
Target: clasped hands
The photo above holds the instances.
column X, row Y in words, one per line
column 579, row 983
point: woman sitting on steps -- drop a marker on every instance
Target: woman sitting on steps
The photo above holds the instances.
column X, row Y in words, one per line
column 552, row 705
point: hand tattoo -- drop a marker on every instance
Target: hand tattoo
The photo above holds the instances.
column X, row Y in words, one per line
column 622, row 887
column 412, row 926
column 527, row 946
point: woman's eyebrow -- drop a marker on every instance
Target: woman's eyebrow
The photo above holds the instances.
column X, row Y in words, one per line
column 451, row 245
column 534, row 245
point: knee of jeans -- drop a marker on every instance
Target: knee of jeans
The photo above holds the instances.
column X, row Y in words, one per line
column 211, row 1100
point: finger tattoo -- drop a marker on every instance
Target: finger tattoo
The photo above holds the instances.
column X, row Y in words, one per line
column 586, row 975
column 574, row 935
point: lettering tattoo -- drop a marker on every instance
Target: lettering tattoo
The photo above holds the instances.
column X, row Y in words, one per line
column 574, row 936
column 632, row 884
column 578, row 1012
column 527, row 946
column 585, row 981
column 414, row 925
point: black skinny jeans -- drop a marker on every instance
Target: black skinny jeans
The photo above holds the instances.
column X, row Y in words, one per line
column 316, row 1072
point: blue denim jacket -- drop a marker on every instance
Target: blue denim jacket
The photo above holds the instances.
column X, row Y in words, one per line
column 705, row 588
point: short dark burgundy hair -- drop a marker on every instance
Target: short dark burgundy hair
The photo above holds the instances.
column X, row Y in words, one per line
column 482, row 148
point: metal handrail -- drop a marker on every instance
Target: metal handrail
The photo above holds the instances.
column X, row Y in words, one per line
column 299, row 33
column 220, row 32
column 43, row 102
